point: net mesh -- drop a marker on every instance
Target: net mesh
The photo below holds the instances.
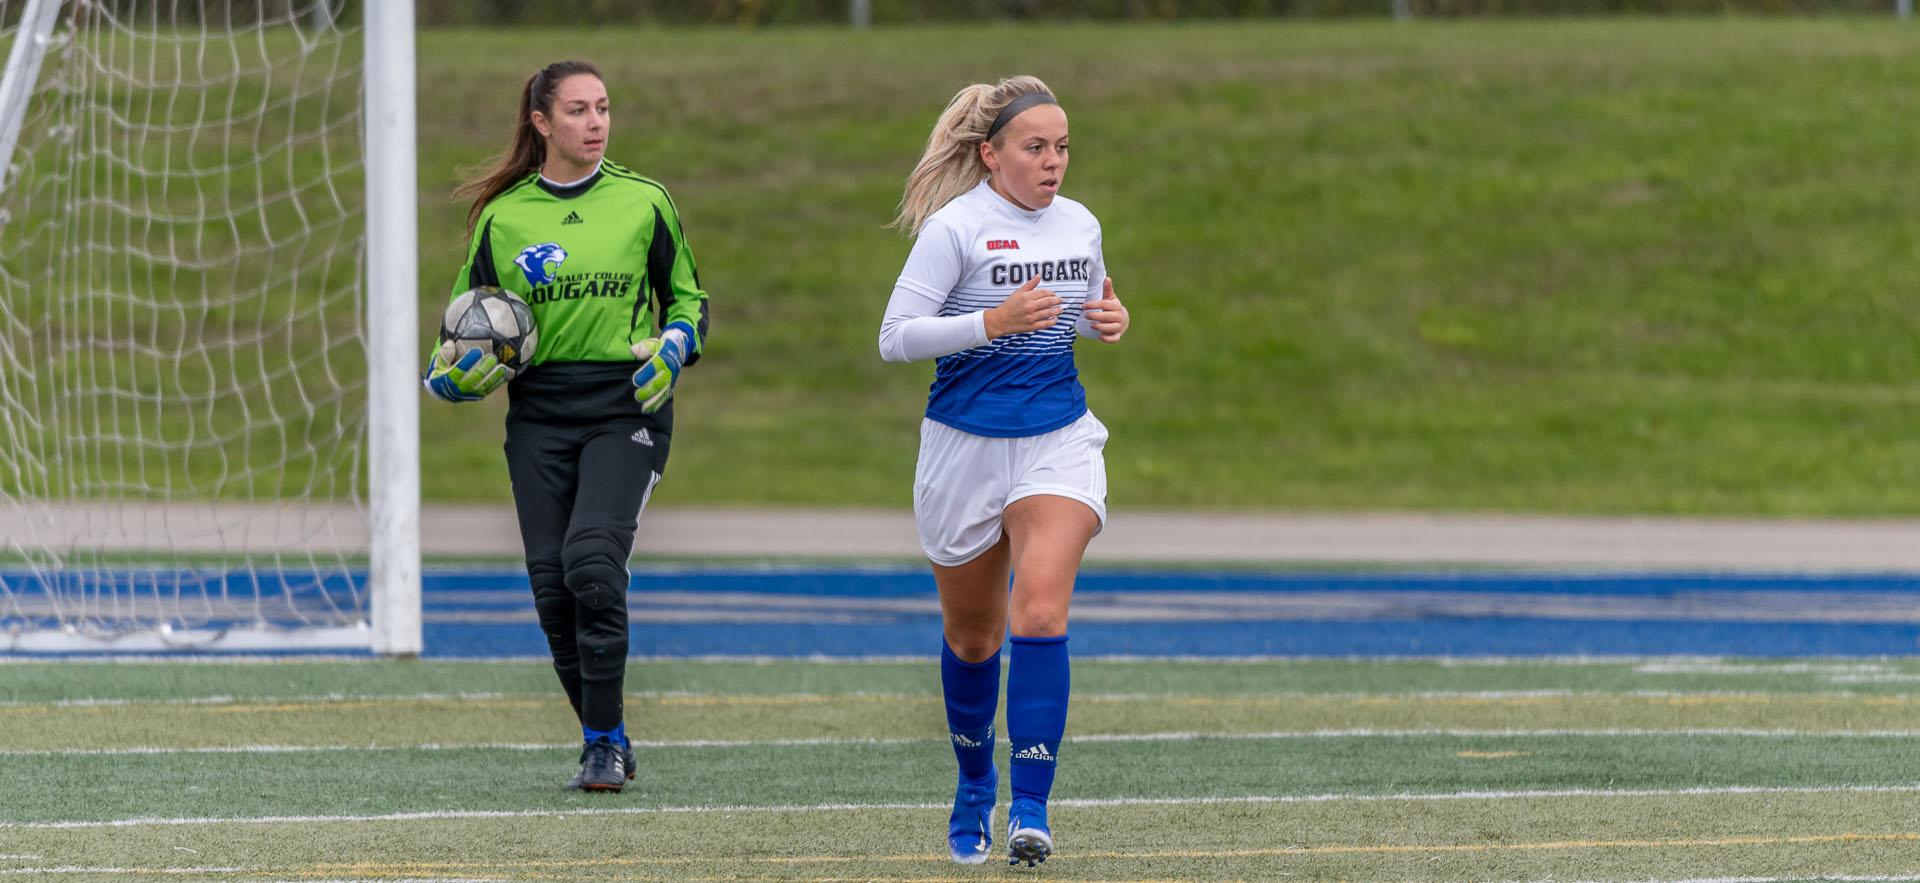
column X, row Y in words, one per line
column 182, row 364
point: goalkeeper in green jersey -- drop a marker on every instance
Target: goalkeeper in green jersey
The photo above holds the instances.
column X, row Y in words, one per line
column 597, row 251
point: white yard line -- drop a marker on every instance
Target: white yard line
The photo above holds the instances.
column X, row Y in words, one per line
column 76, row 870
column 1490, row 734
column 679, row 744
column 434, row 746
column 327, row 698
column 1488, row 661
column 1281, row 695
column 1578, row 793
column 1488, row 694
column 316, row 698
column 1825, row 878
column 1677, row 661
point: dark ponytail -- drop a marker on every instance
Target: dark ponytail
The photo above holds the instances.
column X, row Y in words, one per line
column 528, row 152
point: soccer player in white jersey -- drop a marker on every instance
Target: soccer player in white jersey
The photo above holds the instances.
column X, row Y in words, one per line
column 1005, row 274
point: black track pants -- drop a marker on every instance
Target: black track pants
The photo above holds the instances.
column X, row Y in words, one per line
column 579, row 489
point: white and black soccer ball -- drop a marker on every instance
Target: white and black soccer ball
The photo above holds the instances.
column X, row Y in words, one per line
column 492, row 320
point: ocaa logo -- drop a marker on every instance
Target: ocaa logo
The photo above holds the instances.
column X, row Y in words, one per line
column 533, row 261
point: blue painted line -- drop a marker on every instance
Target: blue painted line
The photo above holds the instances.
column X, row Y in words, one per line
column 917, row 582
column 1502, row 637
column 909, row 633
column 797, row 611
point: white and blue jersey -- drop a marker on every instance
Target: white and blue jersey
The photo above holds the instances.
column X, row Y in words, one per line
column 970, row 255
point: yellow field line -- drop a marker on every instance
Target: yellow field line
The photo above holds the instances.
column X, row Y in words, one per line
column 1899, row 837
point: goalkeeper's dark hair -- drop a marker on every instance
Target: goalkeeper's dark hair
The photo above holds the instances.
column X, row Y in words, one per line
column 951, row 164
column 528, row 152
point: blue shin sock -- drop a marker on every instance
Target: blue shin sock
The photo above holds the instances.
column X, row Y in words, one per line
column 1038, row 682
column 973, row 693
column 617, row 735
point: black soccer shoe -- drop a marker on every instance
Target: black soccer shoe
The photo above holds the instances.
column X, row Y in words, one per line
column 602, row 768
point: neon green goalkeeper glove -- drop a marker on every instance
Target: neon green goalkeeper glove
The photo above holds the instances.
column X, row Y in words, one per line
column 663, row 357
column 468, row 380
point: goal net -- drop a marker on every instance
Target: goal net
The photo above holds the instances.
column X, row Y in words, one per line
column 183, row 346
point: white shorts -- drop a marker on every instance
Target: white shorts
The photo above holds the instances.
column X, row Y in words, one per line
column 964, row 481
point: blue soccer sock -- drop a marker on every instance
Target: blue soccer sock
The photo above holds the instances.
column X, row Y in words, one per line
column 617, row 735
column 1038, row 681
column 972, row 691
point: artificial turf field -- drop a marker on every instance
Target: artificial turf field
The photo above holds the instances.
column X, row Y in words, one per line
column 1668, row 768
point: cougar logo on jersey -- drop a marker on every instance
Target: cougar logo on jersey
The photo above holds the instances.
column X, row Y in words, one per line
column 533, row 261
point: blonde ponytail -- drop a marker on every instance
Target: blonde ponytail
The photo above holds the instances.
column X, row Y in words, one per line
column 951, row 163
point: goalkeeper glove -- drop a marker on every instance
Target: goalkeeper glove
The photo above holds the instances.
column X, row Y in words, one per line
column 468, row 380
column 663, row 355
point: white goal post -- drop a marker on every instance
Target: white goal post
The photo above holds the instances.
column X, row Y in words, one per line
column 392, row 249
column 208, row 406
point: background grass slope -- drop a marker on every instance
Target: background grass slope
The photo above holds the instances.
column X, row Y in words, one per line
column 1593, row 266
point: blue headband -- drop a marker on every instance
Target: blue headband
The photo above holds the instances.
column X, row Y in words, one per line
column 1017, row 107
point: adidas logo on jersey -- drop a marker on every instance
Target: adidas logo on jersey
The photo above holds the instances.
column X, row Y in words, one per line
column 572, row 218
column 643, row 437
column 1037, row 752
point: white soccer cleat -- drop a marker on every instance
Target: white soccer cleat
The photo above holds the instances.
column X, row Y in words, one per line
column 1028, row 839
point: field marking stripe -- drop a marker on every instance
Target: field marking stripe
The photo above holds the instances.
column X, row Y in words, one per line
column 1554, row 845
column 1823, row 878
column 1488, row 734
column 1828, row 878
column 1445, row 661
column 1272, row 852
column 1733, row 790
column 403, row 868
column 111, row 702
column 1091, row 738
column 342, row 700
column 678, row 697
column 78, row 870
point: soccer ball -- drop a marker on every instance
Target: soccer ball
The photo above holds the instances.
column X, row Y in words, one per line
column 492, row 320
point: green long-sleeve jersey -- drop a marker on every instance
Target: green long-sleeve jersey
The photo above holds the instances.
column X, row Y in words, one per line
column 603, row 263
